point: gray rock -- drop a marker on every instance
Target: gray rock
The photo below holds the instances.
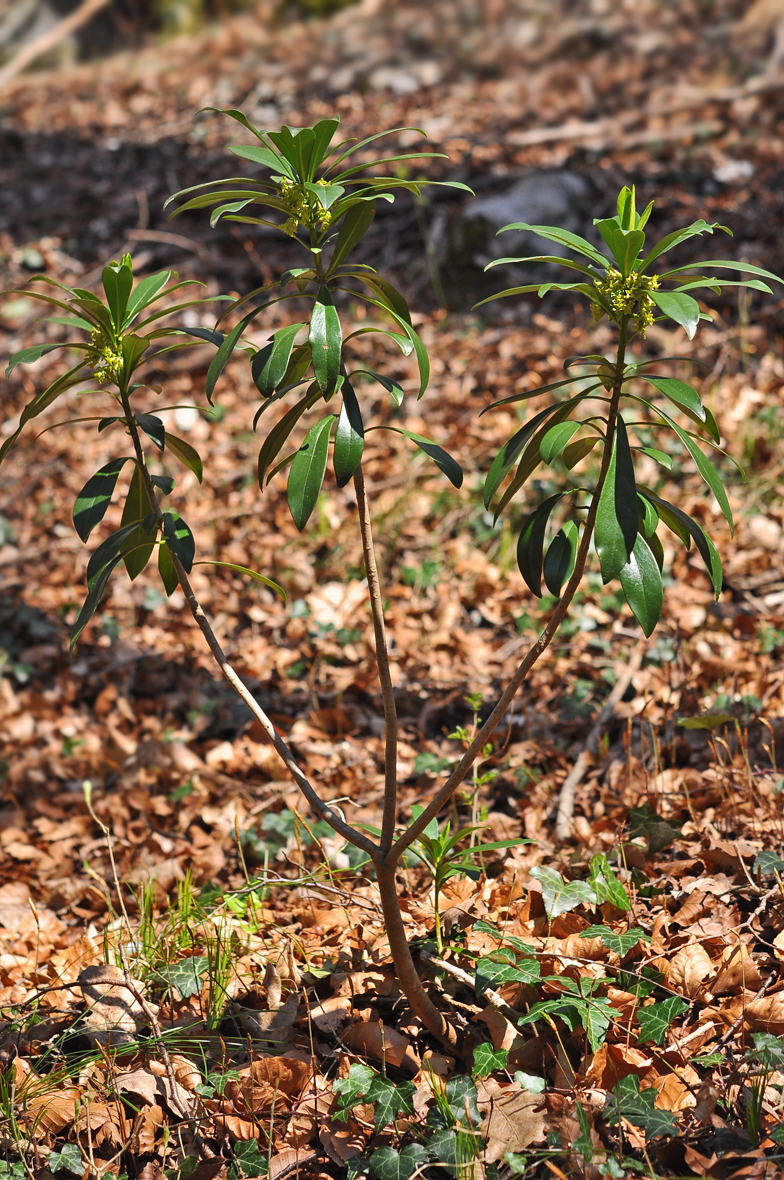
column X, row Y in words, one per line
column 541, row 198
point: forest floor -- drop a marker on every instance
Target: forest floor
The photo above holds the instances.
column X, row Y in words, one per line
column 145, row 821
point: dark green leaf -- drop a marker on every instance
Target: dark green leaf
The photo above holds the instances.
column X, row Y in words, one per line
column 658, row 832
column 705, row 468
column 767, row 863
column 681, row 308
column 442, row 459
column 504, row 968
column 391, row 386
column 270, row 363
column 684, row 527
column 153, row 428
column 680, row 394
column 41, row 402
column 621, row 943
column 558, row 895
column 658, row 456
column 179, row 539
column 93, row 599
column 657, row 1018
column 164, row 482
column 326, row 342
column 166, row 569
column 556, row 439
column 355, row 225
column 221, row 358
column 560, row 557
column 649, row 517
column 95, row 497
column 28, row 355
column 137, row 508
column 248, row 573
column 642, row 585
column 578, row 450
column 487, row 1059
column 388, row 1164
column 639, row 1108
column 352, row 1089
column 274, row 441
column 145, row 293
column 508, row 455
column 306, row 474
column 616, row 517
column 186, row 975
column 390, row 1101
column 349, row 437
column 461, row 1095
column 606, row 885
column 186, row 454
column 117, row 279
column 530, row 544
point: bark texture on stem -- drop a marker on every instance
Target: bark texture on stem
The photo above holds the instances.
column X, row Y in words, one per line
column 382, row 659
column 407, row 975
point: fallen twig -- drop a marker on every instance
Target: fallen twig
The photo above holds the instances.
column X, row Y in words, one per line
column 48, row 40
column 563, row 823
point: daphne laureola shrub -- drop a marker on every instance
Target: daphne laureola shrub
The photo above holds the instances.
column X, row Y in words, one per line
column 311, row 188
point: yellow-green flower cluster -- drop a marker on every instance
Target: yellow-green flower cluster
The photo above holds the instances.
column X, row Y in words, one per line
column 104, row 355
column 303, row 207
column 620, row 294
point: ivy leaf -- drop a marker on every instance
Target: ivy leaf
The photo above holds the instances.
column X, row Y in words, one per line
column 658, row 832
column 606, row 885
column 486, row 1059
column 657, row 1018
column 621, row 943
column 307, row 471
column 530, row 1082
column 461, row 1095
column 185, row 975
column 390, row 1101
column 504, row 968
column 558, row 895
column 388, row 1164
column 352, row 1089
column 638, row 1108
column 616, row 516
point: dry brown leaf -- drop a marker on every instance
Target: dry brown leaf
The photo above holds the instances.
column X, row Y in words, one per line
column 513, row 1118
column 150, row 1118
column 288, row 1160
column 766, row 1014
column 341, row 1143
column 688, row 969
column 51, row 1112
column 332, row 1014
column 153, row 1088
column 613, row 1062
column 673, row 1094
column 272, row 1080
column 377, row 1042
column 739, row 972
column 114, row 1015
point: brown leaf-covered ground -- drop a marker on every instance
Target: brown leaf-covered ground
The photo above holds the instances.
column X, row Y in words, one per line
column 190, row 861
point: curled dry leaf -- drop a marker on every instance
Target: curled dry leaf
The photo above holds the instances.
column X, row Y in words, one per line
column 766, row 1014
column 114, row 1014
column 739, row 972
column 613, row 1062
column 673, row 1094
column 273, row 1080
column 688, row 969
column 513, row 1118
column 51, row 1112
column 332, row 1014
column 381, row 1042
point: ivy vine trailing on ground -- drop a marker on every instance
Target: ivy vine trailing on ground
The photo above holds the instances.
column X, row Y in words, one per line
column 313, row 191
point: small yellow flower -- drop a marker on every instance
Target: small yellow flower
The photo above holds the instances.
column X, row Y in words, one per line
column 621, row 294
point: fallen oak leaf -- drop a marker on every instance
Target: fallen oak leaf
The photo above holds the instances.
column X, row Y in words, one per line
column 513, row 1118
